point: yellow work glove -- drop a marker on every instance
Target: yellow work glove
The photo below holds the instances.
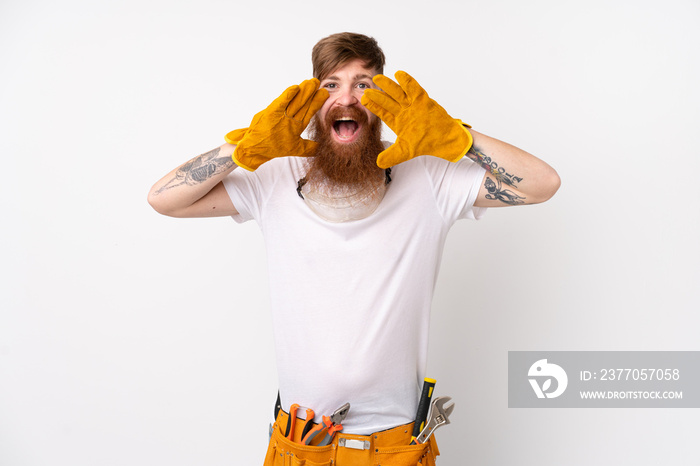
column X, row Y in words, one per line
column 276, row 131
column 421, row 125
column 235, row 136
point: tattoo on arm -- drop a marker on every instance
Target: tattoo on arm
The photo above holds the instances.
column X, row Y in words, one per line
column 497, row 193
column 492, row 167
column 198, row 170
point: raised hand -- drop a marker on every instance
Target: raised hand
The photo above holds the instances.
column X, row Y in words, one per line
column 276, row 131
column 421, row 125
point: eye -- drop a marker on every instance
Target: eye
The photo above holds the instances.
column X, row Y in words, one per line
column 330, row 85
column 363, row 85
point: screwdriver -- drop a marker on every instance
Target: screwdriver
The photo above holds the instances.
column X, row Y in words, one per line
column 423, row 407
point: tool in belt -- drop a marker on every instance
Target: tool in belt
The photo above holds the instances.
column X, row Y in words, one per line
column 293, row 419
column 438, row 417
column 331, row 424
column 423, row 407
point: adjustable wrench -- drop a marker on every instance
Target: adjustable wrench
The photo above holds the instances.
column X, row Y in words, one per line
column 439, row 416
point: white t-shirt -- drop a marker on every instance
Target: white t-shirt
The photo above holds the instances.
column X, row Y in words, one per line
column 351, row 301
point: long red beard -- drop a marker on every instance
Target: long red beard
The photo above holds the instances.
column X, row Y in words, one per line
column 352, row 165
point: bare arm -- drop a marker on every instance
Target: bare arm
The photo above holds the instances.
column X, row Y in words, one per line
column 513, row 177
column 195, row 188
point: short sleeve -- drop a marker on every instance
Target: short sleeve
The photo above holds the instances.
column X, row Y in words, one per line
column 243, row 187
column 456, row 187
column 251, row 192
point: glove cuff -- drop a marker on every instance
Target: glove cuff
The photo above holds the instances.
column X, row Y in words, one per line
column 235, row 136
column 470, row 138
column 463, row 123
column 253, row 162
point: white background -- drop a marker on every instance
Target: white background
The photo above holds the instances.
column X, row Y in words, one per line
column 131, row 338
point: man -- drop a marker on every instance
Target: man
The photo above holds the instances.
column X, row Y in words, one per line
column 354, row 229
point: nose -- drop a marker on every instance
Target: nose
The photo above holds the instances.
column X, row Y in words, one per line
column 346, row 98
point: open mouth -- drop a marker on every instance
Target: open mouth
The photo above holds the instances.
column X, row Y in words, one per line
column 346, row 128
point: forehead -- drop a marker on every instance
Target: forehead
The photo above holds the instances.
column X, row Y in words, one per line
column 354, row 69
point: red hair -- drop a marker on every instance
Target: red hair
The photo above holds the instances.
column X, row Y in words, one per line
column 334, row 51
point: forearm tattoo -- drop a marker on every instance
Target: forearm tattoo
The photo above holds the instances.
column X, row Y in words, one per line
column 199, row 170
column 492, row 167
column 497, row 193
column 495, row 189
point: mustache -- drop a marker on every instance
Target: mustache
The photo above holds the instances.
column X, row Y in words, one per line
column 337, row 113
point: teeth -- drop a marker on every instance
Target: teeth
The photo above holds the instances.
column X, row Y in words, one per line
column 336, row 127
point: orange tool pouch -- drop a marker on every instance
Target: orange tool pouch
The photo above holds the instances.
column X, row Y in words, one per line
column 386, row 448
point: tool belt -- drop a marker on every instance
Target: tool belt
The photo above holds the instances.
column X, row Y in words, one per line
column 386, row 448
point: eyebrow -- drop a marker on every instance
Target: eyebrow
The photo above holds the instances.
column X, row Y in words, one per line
column 354, row 78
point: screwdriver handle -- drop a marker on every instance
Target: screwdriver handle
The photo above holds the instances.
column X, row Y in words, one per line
column 423, row 407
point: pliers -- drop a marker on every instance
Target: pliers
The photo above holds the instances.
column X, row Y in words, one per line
column 331, row 424
column 289, row 433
